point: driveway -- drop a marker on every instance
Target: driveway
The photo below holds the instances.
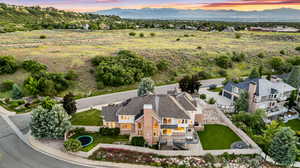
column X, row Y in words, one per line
column 219, row 99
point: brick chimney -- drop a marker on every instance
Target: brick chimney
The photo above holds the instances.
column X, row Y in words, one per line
column 148, row 123
column 251, row 95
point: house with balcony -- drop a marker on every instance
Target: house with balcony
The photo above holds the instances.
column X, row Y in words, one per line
column 162, row 118
column 270, row 95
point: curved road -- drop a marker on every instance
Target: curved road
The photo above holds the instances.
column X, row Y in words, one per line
column 14, row 153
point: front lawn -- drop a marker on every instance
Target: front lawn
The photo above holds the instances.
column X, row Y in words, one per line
column 294, row 124
column 217, row 137
column 88, row 118
column 102, row 139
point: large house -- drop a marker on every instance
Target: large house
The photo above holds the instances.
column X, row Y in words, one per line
column 270, row 95
column 155, row 117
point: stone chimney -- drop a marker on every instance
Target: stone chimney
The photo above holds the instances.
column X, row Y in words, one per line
column 148, row 123
column 251, row 96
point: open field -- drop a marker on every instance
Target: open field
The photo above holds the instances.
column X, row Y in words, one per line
column 63, row 50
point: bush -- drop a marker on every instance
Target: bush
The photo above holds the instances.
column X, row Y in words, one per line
column 204, row 75
column 78, row 130
column 100, row 85
column 162, row 65
column 186, row 35
column 152, row 34
column 178, row 39
column 109, row 131
column 142, row 35
column 224, row 62
column 211, row 101
column 71, row 75
column 238, row 57
column 8, row 65
column 43, row 37
column 282, row 52
column 138, row 141
column 16, row 92
column 222, row 73
column 261, row 55
column 238, row 35
column 124, row 69
column 132, row 34
column 72, row 145
column 297, row 48
column 203, row 96
column 199, row 47
column 33, row 66
column 6, row 85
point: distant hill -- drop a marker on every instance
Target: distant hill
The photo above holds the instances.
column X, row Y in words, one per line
column 18, row 18
column 275, row 15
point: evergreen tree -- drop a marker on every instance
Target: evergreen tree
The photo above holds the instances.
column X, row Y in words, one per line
column 242, row 103
column 146, row 87
column 47, row 123
column 69, row 103
column 16, row 92
column 283, row 148
column 293, row 78
column 254, row 74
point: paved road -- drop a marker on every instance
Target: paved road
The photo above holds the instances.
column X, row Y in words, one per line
column 14, row 153
column 120, row 96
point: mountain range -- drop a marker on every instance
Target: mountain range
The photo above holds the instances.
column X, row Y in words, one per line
column 274, row 15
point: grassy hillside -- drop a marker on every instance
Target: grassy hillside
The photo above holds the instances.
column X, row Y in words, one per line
column 18, row 18
column 196, row 51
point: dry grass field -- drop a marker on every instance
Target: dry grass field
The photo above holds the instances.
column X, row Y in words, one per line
column 63, row 50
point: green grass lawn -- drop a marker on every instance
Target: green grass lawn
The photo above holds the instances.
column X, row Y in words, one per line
column 88, row 118
column 101, row 139
column 294, row 124
column 217, row 89
column 217, row 137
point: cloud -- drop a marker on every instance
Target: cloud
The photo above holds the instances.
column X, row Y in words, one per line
column 108, row 1
column 253, row 2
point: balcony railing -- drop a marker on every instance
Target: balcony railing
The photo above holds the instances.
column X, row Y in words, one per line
column 276, row 111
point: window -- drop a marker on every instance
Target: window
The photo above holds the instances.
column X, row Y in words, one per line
column 139, row 125
column 125, row 126
column 155, row 124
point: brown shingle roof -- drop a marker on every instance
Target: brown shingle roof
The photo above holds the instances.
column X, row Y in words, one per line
column 163, row 105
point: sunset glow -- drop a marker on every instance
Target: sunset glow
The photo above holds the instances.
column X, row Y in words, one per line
column 94, row 5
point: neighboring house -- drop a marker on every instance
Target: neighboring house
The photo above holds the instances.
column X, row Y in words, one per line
column 156, row 117
column 263, row 94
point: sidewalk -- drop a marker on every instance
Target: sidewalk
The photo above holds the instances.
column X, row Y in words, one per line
column 67, row 157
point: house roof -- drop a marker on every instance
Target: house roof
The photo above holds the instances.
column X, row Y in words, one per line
column 163, row 106
column 264, row 87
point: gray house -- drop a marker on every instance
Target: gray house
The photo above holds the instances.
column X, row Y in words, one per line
column 263, row 94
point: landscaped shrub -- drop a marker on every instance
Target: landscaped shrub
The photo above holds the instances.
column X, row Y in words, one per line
column 8, row 65
column 6, row 85
column 16, row 92
column 109, row 131
column 72, row 145
column 211, row 101
column 123, row 69
column 297, row 48
column 203, row 96
column 132, row 34
column 224, row 62
column 138, row 141
column 33, row 66
column 162, row 65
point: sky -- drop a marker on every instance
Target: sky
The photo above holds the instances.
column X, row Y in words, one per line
column 94, row 5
